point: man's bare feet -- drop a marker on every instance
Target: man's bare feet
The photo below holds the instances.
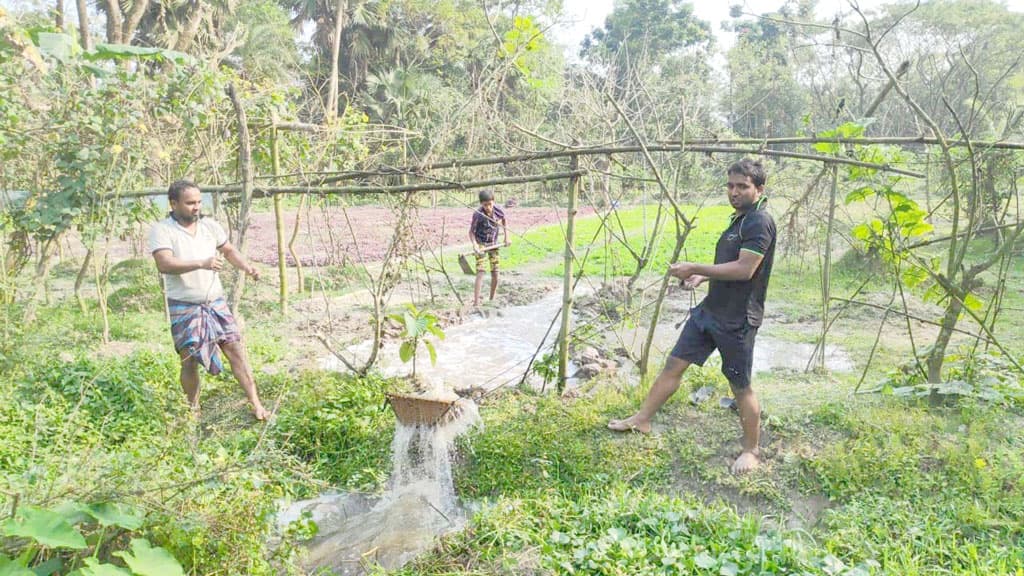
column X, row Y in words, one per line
column 631, row 424
column 260, row 413
column 746, row 462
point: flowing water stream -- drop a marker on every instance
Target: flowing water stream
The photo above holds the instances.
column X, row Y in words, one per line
column 357, row 530
column 485, row 352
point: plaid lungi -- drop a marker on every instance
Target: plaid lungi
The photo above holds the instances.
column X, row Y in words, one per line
column 198, row 329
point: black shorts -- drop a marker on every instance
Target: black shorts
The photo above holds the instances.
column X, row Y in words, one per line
column 702, row 334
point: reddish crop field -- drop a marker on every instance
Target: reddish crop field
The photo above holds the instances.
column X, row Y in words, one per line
column 362, row 234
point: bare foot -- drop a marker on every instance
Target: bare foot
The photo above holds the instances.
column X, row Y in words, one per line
column 746, row 462
column 260, row 413
column 631, row 424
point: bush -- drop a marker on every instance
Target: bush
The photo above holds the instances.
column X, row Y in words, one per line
column 340, row 426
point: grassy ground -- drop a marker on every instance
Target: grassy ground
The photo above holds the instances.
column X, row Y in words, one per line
column 852, row 483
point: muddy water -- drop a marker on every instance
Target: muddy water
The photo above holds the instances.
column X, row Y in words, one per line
column 492, row 350
column 770, row 352
column 357, row 531
column 487, row 351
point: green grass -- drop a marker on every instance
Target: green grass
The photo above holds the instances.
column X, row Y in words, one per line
column 604, row 248
column 905, row 487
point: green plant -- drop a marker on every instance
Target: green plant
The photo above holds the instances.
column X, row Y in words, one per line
column 55, row 531
column 417, row 326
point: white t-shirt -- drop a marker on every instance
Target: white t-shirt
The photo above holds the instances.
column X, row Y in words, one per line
column 198, row 286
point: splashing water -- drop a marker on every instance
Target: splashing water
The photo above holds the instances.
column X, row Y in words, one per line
column 357, row 531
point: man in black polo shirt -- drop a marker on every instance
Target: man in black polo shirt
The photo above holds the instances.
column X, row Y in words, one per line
column 728, row 318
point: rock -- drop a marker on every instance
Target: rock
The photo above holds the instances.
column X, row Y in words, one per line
column 590, row 355
column 588, row 370
column 702, row 394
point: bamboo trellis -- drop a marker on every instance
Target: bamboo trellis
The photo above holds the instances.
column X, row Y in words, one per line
column 325, row 185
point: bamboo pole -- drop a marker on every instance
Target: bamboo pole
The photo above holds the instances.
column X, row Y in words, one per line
column 567, row 289
column 291, row 244
column 282, row 271
column 697, row 146
column 826, row 266
column 265, row 191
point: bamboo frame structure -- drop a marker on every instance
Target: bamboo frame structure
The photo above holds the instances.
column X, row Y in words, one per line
column 326, row 182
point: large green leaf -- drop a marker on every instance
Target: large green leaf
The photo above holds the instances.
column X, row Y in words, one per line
column 433, row 353
column 94, row 568
column 51, row 566
column 145, row 560
column 9, row 567
column 59, row 46
column 436, row 331
column 45, row 527
column 74, row 512
column 116, row 514
column 406, row 350
column 127, row 52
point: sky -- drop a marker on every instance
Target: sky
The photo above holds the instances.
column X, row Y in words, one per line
column 584, row 15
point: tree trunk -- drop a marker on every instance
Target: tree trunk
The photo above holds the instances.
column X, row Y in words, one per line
column 246, row 176
column 937, row 355
column 683, row 228
column 332, row 90
column 83, row 25
column 114, row 20
column 187, row 35
column 99, row 269
column 80, row 279
column 132, row 20
column 59, row 15
column 567, row 289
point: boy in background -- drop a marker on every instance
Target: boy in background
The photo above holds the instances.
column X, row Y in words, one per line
column 483, row 233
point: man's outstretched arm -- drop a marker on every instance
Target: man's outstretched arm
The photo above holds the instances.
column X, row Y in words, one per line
column 237, row 260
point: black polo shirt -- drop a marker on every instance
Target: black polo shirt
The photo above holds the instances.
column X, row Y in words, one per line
column 732, row 302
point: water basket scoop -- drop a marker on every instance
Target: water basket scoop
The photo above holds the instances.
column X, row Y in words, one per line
column 413, row 410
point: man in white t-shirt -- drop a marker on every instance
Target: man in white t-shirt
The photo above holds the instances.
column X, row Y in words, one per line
column 188, row 249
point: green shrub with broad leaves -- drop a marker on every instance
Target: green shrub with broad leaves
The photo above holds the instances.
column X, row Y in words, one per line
column 57, row 540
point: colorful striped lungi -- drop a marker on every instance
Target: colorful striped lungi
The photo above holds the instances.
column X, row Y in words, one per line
column 198, row 329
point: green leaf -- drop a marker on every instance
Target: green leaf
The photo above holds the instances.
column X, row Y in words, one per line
column 74, row 512
column 433, row 353
column 51, row 566
column 59, row 46
column 406, row 351
column 126, row 52
column 145, row 560
column 9, row 567
column 860, row 194
column 436, row 331
column 94, row 568
column 115, row 514
column 45, row 527
column 918, row 229
column 704, row 560
column 973, row 303
column 411, row 326
column 862, row 232
column 914, row 276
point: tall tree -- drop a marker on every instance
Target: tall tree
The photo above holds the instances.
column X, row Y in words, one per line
column 654, row 28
